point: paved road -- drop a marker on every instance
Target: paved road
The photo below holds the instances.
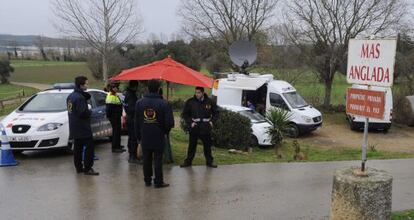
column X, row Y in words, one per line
column 45, row 186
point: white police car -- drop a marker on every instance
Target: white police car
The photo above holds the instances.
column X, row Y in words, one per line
column 42, row 121
column 258, row 122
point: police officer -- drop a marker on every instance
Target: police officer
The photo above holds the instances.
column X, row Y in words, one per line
column 153, row 121
column 80, row 126
column 114, row 114
column 131, row 99
column 200, row 113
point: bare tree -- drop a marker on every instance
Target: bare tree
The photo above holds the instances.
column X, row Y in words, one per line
column 322, row 29
column 103, row 24
column 13, row 43
column 40, row 43
column 226, row 20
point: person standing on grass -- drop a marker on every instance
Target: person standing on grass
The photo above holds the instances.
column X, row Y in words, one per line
column 80, row 126
column 153, row 121
column 200, row 113
column 114, row 114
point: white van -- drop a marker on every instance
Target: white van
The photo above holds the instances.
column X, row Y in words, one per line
column 264, row 93
column 357, row 122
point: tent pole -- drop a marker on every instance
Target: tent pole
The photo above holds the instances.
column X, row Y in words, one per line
column 168, row 90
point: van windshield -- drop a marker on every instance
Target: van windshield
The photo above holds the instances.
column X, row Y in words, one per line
column 254, row 116
column 295, row 100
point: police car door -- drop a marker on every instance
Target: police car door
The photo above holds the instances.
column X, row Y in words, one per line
column 98, row 118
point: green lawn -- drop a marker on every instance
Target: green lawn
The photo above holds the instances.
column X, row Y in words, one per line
column 8, row 91
column 41, row 63
column 9, row 108
column 403, row 215
column 50, row 72
column 179, row 142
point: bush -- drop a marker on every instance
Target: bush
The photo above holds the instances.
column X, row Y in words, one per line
column 177, row 104
column 231, row 131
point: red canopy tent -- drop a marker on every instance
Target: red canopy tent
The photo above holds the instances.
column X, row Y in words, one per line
column 168, row 70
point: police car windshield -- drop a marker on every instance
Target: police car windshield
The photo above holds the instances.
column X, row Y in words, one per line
column 46, row 102
column 254, row 117
column 295, row 100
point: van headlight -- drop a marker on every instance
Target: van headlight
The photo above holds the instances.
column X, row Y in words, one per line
column 50, row 127
column 307, row 119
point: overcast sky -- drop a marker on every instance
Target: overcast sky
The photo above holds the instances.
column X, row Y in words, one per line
column 34, row 17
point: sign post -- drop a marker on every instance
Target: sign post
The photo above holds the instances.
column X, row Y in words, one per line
column 370, row 63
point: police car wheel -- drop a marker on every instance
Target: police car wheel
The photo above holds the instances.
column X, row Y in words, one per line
column 254, row 141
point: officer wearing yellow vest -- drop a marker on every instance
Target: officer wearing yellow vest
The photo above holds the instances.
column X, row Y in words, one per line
column 114, row 114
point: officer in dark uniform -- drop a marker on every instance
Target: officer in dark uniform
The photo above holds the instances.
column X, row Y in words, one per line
column 80, row 126
column 114, row 114
column 153, row 121
column 200, row 113
column 131, row 99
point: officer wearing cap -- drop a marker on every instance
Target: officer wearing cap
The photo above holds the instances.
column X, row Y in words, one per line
column 200, row 113
column 114, row 114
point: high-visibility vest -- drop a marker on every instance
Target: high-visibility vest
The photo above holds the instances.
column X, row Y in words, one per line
column 113, row 99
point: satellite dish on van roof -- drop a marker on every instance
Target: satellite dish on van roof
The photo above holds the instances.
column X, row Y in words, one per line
column 243, row 53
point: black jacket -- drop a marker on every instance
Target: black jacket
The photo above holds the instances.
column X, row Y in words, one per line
column 79, row 114
column 114, row 110
column 195, row 110
column 153, row 120
column 130, row 100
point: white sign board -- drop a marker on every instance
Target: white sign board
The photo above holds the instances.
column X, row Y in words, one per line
column 371, row 62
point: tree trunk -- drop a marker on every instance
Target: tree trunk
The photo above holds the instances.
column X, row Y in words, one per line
column 328, row 91
column 44, row 56
column 104, row 69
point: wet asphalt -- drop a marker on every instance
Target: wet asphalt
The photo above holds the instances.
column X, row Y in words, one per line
column 46, row 186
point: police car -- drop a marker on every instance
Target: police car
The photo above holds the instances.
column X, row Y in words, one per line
column 42, row 121
column 259, row 124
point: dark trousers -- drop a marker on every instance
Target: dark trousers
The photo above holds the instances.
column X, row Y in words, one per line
column 152, row 156
column 192, row 147
column 78, row 151
column 116, row 132
column 167, row 150
column 132, row 139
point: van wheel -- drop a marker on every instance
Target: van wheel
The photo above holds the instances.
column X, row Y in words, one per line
column 294, row 131
column 353, row 126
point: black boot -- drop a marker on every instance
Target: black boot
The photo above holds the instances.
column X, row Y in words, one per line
column 162, row 185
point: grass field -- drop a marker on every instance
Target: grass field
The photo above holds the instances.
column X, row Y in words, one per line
column 13, row 91
column 179, row 142
column 41, row 63
column 50, row 72
column 404, row 215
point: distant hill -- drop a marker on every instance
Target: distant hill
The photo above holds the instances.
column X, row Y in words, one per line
column 30, row 40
